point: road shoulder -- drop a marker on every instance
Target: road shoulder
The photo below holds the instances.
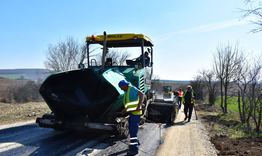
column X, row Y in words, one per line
column 16, row 124
column 186, row 138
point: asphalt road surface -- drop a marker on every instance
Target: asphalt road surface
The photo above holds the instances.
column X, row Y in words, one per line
column 32, row 140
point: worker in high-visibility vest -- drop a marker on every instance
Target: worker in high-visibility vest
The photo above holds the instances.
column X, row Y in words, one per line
column 133, row 99
column 180, row 96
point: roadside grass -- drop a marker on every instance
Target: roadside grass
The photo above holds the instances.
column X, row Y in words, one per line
column 228, row 135
column 227, row 124
column 224, row 124
column 12, row 113
column 231, row 123
column 232, row 104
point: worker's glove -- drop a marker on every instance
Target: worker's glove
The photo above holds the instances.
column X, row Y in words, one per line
column 123, row 111
column 138, row 109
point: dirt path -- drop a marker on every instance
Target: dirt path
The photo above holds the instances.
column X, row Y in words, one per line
column 186, row 139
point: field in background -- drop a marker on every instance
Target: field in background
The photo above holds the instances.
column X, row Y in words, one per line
column 6, row 84
column 232, row 104
column 29, row 74
column 12, row 113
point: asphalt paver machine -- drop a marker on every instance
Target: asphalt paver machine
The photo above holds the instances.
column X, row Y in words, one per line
column 89, row 98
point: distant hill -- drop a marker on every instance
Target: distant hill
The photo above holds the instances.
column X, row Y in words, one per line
column 38, row 73
column 173, row 81
column 157, row 85
column 30, row 73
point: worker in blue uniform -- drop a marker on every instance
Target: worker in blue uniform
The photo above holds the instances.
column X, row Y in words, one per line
column 133, row 99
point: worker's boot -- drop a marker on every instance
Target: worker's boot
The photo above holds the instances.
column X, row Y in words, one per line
column 131, row 152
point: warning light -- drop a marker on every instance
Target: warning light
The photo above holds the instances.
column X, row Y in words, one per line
column 93, row 37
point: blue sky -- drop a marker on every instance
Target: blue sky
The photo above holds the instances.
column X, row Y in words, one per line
column 185, row 33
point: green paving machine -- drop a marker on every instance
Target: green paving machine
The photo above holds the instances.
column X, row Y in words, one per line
column 89, row 98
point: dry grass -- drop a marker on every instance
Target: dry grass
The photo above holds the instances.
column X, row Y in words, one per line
column 12, row 113
column 7, row 83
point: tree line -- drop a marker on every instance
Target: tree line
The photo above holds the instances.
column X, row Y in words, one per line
column 236, row 74
column 21, row 91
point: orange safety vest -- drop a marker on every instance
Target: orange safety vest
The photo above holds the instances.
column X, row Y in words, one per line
column 180, row 93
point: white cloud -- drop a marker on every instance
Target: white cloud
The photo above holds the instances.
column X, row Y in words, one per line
column 214, row 26
column 210, row 27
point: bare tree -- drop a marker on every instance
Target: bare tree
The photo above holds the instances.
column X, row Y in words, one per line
column 210, row 82
column 198, row 87
column 254, row 97
column 118, row 57
column 242, row 82
column 259, row 110
column 123, row 57
column 225, row 66
column 254, row 10
column 219, row 68
column 64, row 55
column 249, row 96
